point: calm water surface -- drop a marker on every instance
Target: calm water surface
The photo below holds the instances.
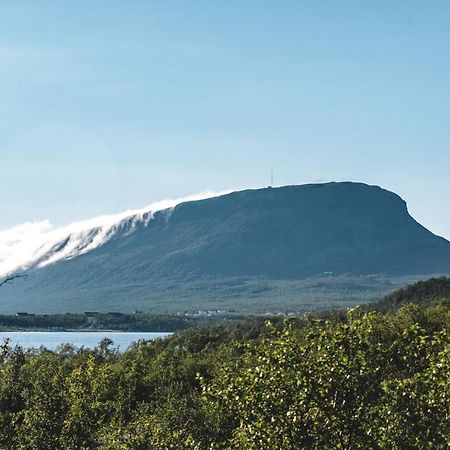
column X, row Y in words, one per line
column 89, row 339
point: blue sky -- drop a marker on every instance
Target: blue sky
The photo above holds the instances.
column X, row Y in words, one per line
column 109, row 105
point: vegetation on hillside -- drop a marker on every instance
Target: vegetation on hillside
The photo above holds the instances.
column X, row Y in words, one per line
column 423, row 293
column 366, row 380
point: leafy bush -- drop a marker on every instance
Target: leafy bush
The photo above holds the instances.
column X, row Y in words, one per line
column 363, row 380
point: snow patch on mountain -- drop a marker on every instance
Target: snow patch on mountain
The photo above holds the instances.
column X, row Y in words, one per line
column 37, row 244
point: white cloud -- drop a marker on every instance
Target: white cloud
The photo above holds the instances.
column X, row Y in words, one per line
column 40, row 243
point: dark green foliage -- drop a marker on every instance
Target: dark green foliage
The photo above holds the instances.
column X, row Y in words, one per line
column 126, row 322
column 362, row 380
column 61, row 321
column 422, row 293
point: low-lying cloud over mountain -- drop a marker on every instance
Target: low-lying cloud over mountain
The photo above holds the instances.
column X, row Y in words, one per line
column 37, row 244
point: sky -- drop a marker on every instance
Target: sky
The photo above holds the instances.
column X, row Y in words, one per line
column 112, row 105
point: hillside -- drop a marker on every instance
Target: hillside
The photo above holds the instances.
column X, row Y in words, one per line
column 252, row 244
column 423, row 293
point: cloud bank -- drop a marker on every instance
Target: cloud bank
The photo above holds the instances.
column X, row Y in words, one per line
column 37, row 244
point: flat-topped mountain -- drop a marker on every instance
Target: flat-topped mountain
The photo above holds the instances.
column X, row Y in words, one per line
column 288, row 233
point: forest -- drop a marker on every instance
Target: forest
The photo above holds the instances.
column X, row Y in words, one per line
column 359, row 379
column 111, row 321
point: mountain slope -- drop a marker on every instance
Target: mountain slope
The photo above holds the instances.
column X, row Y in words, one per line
column 288, row 233
column 423, row 293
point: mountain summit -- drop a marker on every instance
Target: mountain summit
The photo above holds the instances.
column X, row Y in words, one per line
column 286, row 233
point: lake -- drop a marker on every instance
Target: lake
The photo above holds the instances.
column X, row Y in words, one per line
column 88, row 339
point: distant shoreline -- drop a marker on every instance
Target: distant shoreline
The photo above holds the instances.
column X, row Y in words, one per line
column 73, row 330
column 109, row 322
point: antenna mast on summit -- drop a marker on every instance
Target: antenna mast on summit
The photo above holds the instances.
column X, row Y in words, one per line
column 271, row 178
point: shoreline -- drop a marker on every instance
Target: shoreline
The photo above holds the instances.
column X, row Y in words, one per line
column 75, row 330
